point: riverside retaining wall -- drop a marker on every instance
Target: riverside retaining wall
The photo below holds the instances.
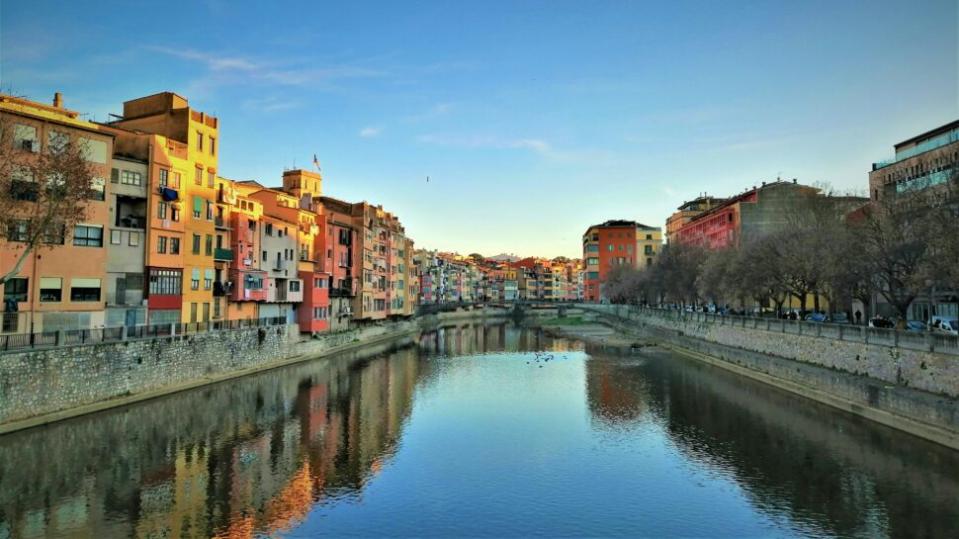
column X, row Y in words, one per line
column 39, row 386
column 906, row 389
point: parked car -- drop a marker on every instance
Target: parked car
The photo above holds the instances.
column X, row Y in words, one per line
column 944, row 324
column 915, row 326
column 880, row 322
column 839, row 318
column 817, row 317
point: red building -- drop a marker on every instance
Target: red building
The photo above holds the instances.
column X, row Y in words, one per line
column 616, row 243
column 337, row 243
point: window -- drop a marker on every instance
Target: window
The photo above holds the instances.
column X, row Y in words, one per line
column 162, row 210
column 88, row 236
column 212, row 146
column 207, row 279
column 55, row 235
column 128, row 177
column 209, row 210
column 198, row 176
column 196, row 244
column 209, row 245
column 265, row 257
column 176, row 179
column 649, row 261
column 161, row 244
column 25, row 138
column 174, row 246
column 320, row 313
column 210, row 179
column 195, row 279
column 134, row 239
column 164, row 177
column 319, row 283
column 98, row 189
column 17, row 230
column 294, row 286
column 82, row 289
column 15, row 290
column 94, row 150
column 116, row 237
column 199, row 141
column 609, row 247
column 57, row 141
column 197, row 207
column 50, row 289
column 165, row 282
column 269, row 229
column 648, row 250
column 253, row 283
column 175, row 214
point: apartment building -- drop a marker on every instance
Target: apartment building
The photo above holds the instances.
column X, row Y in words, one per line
column 616, row 243
column 126, row 241
column 337, row 243
column 925, row 160
column 181, row 143
column 61, row 284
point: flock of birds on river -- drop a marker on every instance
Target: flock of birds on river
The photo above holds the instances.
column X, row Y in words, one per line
column 545, row 357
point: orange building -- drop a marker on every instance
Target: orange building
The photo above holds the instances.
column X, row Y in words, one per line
column 61, row 285
column 183, row 164
column 616, row 243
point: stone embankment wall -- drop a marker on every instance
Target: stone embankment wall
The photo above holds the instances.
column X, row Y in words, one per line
column 918, row 369
column 906, row 389
column 39, row 386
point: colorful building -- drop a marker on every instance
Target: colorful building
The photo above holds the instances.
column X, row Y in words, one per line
column 616, row 243
column 61, row 284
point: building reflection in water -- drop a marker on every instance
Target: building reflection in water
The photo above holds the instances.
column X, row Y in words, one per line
column 256, row 455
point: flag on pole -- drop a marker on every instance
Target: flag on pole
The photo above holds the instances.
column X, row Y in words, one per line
column 316, row 162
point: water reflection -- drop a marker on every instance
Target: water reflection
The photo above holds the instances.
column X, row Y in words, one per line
column 265, row 454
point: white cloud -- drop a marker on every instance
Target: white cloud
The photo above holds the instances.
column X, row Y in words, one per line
column 539, row 147
column 269, row 104
column 223, row 69
column 370, row 132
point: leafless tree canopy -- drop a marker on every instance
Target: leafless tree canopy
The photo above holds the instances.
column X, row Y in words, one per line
column 42, row 194
column 898, row 247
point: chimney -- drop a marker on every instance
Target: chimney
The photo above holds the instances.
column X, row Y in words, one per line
column 58, row 100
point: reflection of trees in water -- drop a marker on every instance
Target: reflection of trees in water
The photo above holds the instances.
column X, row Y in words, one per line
column 836, row 471
column 254, row 453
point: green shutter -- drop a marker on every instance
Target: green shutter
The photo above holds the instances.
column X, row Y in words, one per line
column 197, row 204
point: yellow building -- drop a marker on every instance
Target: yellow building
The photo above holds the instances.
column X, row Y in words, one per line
column 191, row 138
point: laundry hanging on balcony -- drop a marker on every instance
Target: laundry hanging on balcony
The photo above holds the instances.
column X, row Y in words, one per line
column 169, row 194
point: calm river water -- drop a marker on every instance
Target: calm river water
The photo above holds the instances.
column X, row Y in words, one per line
column 478, row 431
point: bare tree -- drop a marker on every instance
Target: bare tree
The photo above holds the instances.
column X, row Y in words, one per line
column 42, row 194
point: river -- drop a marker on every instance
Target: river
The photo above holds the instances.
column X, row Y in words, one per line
column 477, row 431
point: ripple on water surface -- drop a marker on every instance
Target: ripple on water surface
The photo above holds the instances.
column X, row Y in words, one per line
column 477, row 431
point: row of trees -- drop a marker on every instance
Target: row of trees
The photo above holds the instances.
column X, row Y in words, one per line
column 900, row 247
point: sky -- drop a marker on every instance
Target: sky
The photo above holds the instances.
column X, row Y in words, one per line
column 533, row 120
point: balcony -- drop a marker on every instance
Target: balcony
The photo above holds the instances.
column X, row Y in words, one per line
column 222, row 289
column 223, row 254
column 220, row 223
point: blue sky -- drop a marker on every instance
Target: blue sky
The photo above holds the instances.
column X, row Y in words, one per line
column 533, row 119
